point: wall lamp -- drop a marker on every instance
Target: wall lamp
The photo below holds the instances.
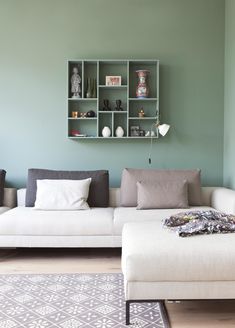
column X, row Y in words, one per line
column 163, row 129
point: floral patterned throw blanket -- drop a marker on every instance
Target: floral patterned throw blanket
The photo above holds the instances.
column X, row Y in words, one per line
column 200, row 222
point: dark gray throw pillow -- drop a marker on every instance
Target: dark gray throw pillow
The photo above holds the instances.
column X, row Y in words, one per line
column 2, row 184
column 99, row 187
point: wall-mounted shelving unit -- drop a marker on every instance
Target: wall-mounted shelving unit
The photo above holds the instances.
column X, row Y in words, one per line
column 97, row 70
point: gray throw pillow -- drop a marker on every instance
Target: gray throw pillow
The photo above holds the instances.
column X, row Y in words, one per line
column 2, row 185
column 168, row 194
column 131, row 176
column 99, row 187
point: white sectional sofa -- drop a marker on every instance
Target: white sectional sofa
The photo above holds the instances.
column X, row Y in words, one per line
column 97, row 227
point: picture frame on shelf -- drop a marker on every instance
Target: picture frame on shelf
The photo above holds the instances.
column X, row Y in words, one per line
column 135, row 131
column 113, row 80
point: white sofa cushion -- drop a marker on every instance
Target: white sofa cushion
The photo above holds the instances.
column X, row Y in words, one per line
column 27, row 221
column 3, row 209
column 123, row 215
column 169, row 257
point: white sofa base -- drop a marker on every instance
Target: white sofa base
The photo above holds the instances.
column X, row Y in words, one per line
column 179, row 290
column 60, row 241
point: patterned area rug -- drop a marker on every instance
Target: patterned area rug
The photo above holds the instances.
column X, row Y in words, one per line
column 71, row 301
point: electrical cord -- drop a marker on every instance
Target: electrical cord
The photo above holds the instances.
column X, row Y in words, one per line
column 151, row 142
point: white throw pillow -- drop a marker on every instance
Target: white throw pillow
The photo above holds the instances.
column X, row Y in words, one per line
column 62, row 194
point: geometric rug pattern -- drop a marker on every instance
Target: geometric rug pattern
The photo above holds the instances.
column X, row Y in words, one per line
column 70, row 301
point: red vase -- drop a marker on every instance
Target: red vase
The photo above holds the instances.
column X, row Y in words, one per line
column 142, row 89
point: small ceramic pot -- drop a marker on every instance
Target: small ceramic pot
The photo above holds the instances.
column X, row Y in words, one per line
column 119, row 132
column 106, row 132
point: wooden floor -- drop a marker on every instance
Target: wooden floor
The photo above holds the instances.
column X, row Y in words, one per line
column 211, row 314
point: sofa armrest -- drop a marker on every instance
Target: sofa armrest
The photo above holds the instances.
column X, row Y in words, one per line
column 9, row 199
column 223, row 199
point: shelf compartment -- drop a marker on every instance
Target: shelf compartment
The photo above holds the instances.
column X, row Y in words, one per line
column 82, row 106
column 113, row 68
column 90, row 71
column 105, row 119
column 120, row 120
column 112, row 95
column 71, row 65
column 150, row 108
column 84, row 126
column 152, row 79
column 145, row 125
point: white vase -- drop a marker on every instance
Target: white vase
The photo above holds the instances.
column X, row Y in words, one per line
column 106, row 132
column 119, row 132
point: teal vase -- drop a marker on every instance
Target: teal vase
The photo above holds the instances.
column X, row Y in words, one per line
column 89, row 88
column 94, row 89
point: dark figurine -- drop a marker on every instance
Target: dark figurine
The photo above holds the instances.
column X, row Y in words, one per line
column 106, row 105
column 118, row 103
column 91, row 113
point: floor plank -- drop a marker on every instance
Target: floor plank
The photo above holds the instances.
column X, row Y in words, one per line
column 56, row 260
column 203, row 314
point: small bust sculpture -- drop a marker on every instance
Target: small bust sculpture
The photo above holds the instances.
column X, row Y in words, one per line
column 75, row 83
column 141, row 112
column 118, row 103
column 106, row 105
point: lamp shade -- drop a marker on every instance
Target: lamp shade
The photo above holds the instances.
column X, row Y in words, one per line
column 163, row 129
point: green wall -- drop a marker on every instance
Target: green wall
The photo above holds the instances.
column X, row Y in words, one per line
column 229, row 95
column 37, row 38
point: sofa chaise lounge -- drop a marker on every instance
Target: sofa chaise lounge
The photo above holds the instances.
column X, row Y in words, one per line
column 169, row 267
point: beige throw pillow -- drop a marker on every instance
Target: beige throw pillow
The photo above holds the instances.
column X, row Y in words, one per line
column 168, row 194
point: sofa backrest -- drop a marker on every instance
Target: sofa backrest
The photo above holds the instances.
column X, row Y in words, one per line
column 114, row 196
column 9, row 198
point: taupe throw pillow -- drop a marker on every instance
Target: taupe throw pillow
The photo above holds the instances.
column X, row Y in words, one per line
column 131, row 176
column 99, row 187
column 2, row 185
column 168, row 194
